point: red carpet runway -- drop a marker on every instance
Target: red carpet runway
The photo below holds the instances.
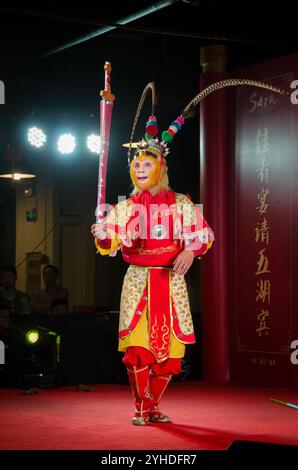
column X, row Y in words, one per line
column 205, row 416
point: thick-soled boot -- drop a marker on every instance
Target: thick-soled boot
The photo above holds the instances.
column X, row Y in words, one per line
column 139, row 382
column 158, row 384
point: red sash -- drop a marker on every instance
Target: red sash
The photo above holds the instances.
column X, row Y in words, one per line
column 159, row 312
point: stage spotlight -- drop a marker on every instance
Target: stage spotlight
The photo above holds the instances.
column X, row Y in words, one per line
column 32, row 336
column 40, row 333
column 40, row 362
column 66, row 143
column 93, row 143
column 36, row 137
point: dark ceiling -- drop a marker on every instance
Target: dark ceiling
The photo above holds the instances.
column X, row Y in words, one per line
column 30, row 31
column 163, row 44
column 62, row 88
column 162, row 35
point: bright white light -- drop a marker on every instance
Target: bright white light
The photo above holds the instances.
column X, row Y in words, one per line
column 17, row 176
column 66, row 143
column 93, row 143
column 36, row 137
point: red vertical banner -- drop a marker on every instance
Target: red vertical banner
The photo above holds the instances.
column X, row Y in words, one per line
column 214, row 143
column 266, row 204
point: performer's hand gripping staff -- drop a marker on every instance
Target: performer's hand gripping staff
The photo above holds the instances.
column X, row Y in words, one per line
column 106, row 107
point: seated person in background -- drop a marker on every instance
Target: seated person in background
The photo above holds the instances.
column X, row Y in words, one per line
column 51, row 292
column 11, row 300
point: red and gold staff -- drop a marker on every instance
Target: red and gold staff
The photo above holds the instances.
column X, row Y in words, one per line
column 106, row 109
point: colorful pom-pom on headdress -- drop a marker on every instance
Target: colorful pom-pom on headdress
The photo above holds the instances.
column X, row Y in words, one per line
column 167, row 136
column 151, row 144
column 151, row 128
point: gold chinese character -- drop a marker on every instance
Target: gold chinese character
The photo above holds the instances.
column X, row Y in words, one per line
column 262, row 232
column 263, row 290
column 263, row 328
column 262, row 196
column 262, row 141
column 263, row 173
column 262, row 263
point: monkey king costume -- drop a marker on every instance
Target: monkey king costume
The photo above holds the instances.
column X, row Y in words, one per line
column 152, row 228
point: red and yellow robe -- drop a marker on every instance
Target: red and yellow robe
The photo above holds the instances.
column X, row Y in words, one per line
column 151, row 231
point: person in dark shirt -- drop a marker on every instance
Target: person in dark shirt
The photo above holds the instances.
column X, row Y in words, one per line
column 11, row 300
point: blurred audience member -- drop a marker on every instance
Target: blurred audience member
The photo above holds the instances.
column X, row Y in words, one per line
column 53, row 295
column 11, row 300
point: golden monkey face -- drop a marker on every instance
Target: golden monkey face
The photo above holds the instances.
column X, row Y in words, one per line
column 145, row 172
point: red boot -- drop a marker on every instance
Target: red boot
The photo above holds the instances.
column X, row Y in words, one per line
column 158, row 384
column 139, row 382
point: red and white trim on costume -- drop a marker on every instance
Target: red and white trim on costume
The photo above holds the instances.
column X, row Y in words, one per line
column 139, row 382
column 182, row 337
column 136, row 316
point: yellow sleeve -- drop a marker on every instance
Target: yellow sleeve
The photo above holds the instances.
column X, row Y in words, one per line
column 116, row 224
column 115, row 245
column 195, row 226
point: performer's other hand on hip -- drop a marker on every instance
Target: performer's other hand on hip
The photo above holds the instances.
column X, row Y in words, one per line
column 99, row 230
column 183, row 262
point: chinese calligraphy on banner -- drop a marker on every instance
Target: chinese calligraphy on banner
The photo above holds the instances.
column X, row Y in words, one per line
column 266, row 169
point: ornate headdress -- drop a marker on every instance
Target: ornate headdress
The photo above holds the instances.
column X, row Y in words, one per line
column 151, row 145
